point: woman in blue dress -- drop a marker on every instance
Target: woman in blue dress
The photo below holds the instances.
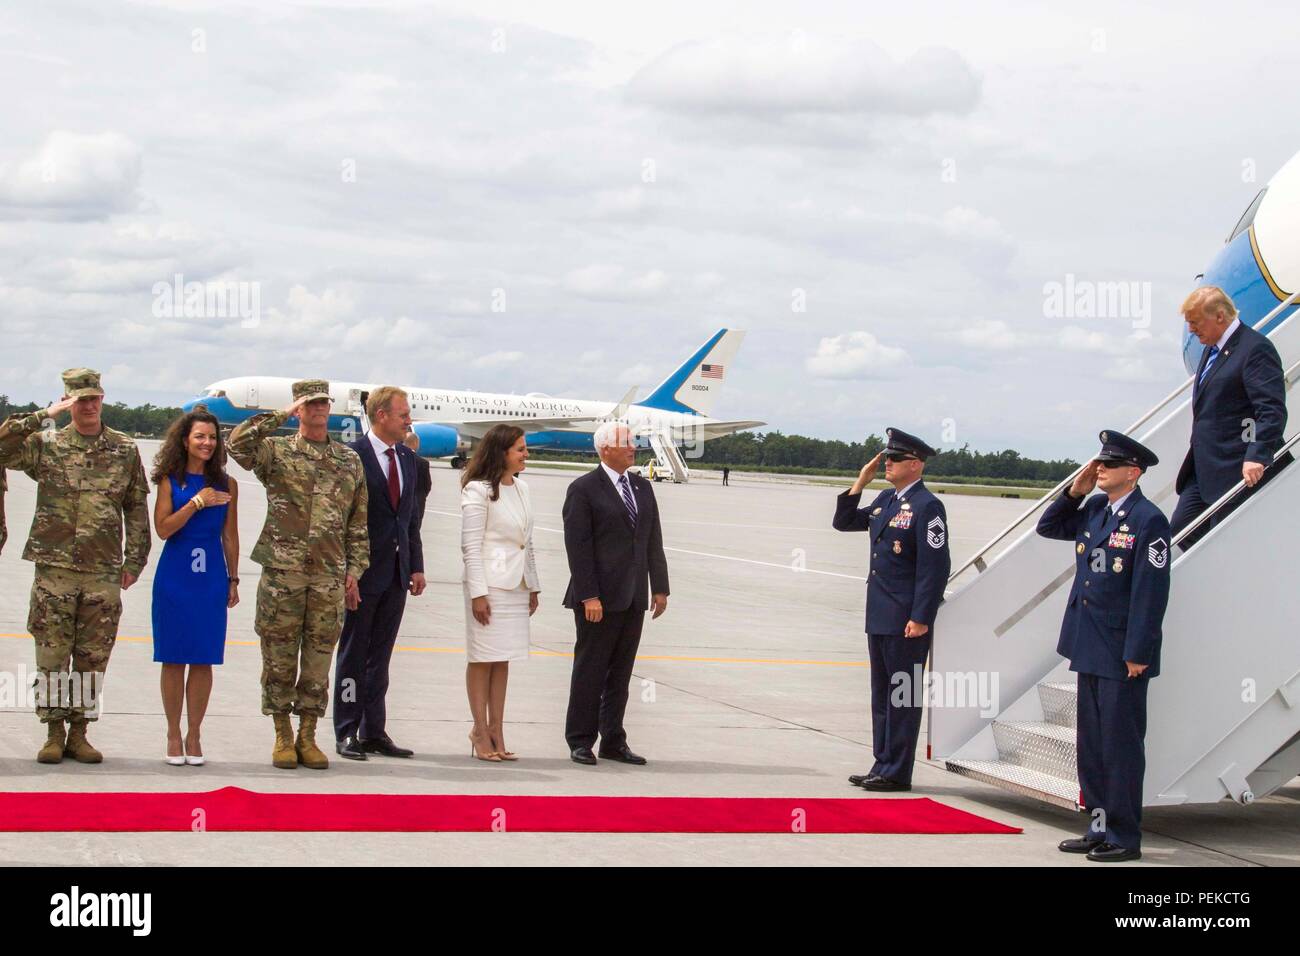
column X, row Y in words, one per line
column 196, row 581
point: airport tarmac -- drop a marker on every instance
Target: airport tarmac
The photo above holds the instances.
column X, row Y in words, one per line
column 754, row 683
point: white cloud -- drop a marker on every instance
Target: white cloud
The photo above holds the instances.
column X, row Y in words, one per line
column 802, row 73
column 991, row 334
column 498, row 359
column 600, row 281
column 73, row 176
column 854, row 355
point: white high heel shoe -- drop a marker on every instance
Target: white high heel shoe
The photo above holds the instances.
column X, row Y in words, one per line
column 175, row 761
column 193, row 761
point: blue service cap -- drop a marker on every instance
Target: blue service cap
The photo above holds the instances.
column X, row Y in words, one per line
column 901, row 443
column 1116, row 446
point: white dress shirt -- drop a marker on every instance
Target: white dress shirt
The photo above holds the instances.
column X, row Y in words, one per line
column 381, row 452
column 1227, row 334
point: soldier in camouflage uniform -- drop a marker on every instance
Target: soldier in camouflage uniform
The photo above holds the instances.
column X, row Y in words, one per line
column 90, row 483
column 313, row 550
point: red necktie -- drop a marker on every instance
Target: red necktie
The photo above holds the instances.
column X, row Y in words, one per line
column 394, row 487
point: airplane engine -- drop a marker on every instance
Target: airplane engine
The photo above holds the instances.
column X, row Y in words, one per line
column 436, row 441
column 1259, row 265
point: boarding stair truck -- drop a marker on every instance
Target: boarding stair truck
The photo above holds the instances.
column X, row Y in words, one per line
column 1224, row 715
column 668, row 457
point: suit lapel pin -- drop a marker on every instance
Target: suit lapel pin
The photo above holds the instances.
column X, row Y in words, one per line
column 905, row 506
column 1079, row 548
column 877, row 511
column 898, row 547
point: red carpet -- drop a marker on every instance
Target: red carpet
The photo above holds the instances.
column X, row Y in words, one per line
column 232, row 808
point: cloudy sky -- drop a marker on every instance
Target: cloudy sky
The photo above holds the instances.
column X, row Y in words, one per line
column 568, row 197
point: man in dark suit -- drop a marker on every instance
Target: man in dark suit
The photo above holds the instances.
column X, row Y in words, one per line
column 423, row 479
column 396, row 568
column 909, row 569
column 614, row 543
column 1238, row 409
column 1111, row 634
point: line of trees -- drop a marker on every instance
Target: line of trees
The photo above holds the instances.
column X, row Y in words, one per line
column 149, row 421
column 768, row 449
column 774, row 449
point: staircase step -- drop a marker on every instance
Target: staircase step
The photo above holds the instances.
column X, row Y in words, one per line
column 1060, row 702
column 1022, row 780
column 1037, row 744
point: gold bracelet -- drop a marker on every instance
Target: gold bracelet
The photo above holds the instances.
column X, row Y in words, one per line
column 197, row 502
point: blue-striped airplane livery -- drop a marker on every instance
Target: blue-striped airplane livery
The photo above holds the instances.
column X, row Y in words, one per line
column 449, row 422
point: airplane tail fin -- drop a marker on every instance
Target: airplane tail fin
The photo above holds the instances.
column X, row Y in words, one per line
column 694, row 387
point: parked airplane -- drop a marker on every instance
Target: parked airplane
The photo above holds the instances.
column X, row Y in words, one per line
column 448, row 422
column 1260, row 260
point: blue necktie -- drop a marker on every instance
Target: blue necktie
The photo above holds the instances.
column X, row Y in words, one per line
column 1214, row 353
column 628, row 501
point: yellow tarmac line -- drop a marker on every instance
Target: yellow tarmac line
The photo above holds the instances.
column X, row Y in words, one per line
column 537, row 653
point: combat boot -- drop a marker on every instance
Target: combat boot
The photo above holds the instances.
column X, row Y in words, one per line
column 78, row 747
column 283, row 756
column 309, row 755
column 52, row 752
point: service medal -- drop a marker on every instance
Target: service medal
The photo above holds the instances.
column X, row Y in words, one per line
column 1123, row 527
column 905, row 506
column 1079, row 548
column 898, row 547
column 1118, row 566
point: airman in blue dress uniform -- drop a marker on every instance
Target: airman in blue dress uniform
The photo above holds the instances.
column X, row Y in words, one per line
column 909, row 569
column 1111, row 635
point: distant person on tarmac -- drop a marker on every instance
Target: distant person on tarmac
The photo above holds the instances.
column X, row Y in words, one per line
column 909, row 568
column 726, row 476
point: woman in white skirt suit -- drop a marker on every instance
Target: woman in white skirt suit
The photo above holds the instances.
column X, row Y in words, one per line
column 500, row 580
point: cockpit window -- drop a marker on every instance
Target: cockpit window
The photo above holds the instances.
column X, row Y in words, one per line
column 216, row 393
column 1248, row 216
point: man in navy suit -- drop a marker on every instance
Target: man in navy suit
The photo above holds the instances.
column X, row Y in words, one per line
column 1111, row 634
column 614, row 545
column 909, row 569
column 1238, row 408
column 396, row 568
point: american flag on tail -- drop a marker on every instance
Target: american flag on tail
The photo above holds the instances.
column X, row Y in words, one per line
column 711, row 371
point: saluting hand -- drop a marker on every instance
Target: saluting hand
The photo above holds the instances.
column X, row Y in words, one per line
column 295, row 406
column 60, row 407
column 867, row 473
column 1085, row 480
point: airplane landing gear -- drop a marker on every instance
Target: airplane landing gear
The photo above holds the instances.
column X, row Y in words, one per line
column 459, row 462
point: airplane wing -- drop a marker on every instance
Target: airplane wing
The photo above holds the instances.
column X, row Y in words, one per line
column 718, row 429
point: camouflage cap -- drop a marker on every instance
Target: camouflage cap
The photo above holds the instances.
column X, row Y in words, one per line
column 311, row 389
column 81, row 383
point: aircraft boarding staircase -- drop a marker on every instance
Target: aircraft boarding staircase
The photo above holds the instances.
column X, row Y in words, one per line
column 1224, row 714
column 668, row 457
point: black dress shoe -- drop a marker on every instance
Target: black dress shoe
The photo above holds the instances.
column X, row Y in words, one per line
column 858, row 779
column 350, row 747
column 884, row 785
column 1113, row 853
column 582, row 755
column 623, row 755
column 384, row 745
column 1078, row 845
